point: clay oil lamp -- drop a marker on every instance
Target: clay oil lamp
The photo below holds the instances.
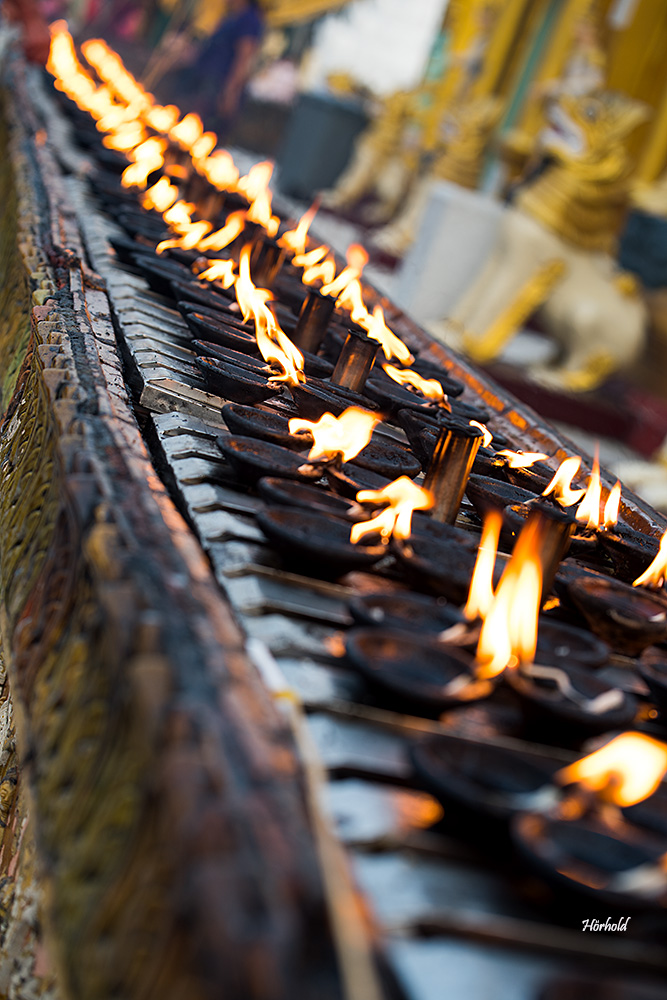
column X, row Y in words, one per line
column 318, row 542
column 481, row 787
column 445, row 564
column 334, row 440
column 585, row 844
column 252, row 459
column 630, row 551
column 627, row 618
column 562, row 699
column 210, row 330
column 486, row 493
column 405, row 388
column 316, row 397
column 159, row 272
column 288, row 493
column 378, row 456
column 312, row 364
column 415, row 674
column 231, row 382
column 404, row 610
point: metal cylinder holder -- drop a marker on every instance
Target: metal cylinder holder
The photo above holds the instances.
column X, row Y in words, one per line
column 314, row 318
column 266, row 260
column 553, row 539
column 355, row 361
column 453, row 457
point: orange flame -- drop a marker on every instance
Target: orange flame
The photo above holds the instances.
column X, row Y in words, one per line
column 160, row 196
column 274, row 345
column 221, row 238
column 509, row 633
column 296, row 240
column 338, row 437
column 395, row 521
column 146, row 158
column 480, row 596
column 125, row 137
column 351, row 299
column 162, row 119
column 219, row 170
column 178, row 217
column 625, row 771
column 521, row 459
column 221, row 271
column 310, row 258
column 588, row 511
column 357, row 258
column 186, row 132
column 488, row 436
column 110, row 68
column 256, row 181
column 654, row 575
column 323, row 272
column 260, row 213
column 611, row 508
column 392, row 346
column 203, row 146
column 429, row 388
column 71, row 77
column 561, row 484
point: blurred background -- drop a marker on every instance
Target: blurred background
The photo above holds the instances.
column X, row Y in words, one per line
column 503, row 161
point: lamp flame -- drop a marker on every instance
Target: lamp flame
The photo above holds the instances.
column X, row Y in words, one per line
column 219, row 170
column 561, row 484
column 146, row 158
column 488, row 436
column 324, row 272
column 221, row 271
column 654, row 575
column 430, row 388
column 357, row 258
column 160, row 196
column 509, row 634
column 274, row 345
column 480, row 595
column 296, row 240
column 625, row 771
column 588, row 511
column 395, row 521
column 521, row 459
column 611, row 507
column 256, row 181
column 340, row 437
column 186, row 132
column 377, row 329
column 221, row 238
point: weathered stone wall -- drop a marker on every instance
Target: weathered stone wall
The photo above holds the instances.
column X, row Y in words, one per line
column 173, row 846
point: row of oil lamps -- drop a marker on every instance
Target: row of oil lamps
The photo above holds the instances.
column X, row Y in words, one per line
column 629, row 768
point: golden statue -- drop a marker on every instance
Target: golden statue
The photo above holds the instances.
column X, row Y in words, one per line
column 570, row 212
column 383, row 160
column 466, row 130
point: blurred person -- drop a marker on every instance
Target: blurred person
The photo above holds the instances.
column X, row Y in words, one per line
column 220, row 74
column 36, row 37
